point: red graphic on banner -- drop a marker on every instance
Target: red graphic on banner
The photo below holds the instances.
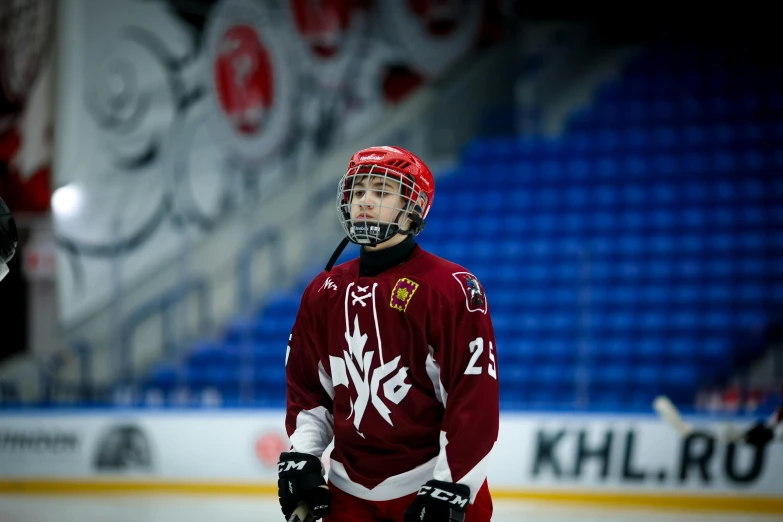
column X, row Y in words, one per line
column 23, row 192
column 399, row 82
column 25, row 118
column 243, row 76
column 269, row 446
column 323, row 24
column 440, row 16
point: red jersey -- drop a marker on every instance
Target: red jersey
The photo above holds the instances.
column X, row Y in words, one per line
column 400, row 367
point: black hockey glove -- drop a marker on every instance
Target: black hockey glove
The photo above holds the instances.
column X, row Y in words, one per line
column 300, row 478
column 439, row 501
column 759, row 435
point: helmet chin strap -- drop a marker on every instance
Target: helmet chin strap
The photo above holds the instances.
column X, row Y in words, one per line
column 336, row 254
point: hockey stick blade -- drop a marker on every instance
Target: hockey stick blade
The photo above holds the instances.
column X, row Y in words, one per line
column 671, row 416
column 669, row 413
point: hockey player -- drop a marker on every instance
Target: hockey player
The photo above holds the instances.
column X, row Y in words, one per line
column 392, row 354
column 8, row 238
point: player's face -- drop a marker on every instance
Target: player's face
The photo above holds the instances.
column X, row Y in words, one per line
column 376, row 198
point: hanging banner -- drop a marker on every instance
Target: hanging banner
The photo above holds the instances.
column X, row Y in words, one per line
column 26, row 104
column 176, row 116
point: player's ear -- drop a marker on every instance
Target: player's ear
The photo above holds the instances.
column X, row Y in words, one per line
column 418, row 208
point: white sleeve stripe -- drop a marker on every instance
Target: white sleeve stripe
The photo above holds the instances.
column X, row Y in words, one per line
column 326, row 381
column 433, row 372
column 474, row 478
column 314, row 431
column 443, row 392
column 442, row 471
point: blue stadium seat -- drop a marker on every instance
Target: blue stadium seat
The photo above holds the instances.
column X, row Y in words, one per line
column 655, row 293
column 716, row 349
column 683, row 347
column 209, row 354
column 239, row 329
column 608, row 378
column 617, row 349
column 518, row 376
column 164, row 377
column 650, row 347
column 680, row 378
column 717, row 321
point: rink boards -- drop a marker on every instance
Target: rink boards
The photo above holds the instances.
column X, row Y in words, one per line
column 617, row 459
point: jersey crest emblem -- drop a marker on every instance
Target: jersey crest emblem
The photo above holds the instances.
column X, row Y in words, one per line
column 373, row 384
column 402, row 293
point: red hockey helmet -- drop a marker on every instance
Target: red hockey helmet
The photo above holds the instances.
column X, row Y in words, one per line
column 399, row 206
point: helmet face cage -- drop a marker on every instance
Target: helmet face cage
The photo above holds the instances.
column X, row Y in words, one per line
column 386, row 202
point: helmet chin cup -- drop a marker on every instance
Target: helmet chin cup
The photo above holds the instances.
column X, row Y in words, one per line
column 371, row 233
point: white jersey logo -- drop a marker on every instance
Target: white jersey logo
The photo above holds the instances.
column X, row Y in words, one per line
column 356, row 366
column 328, row 284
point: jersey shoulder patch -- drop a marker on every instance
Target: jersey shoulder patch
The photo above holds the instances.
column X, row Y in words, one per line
column 475, row 299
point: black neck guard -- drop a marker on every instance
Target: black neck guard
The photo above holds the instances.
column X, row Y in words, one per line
column 372, row 263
